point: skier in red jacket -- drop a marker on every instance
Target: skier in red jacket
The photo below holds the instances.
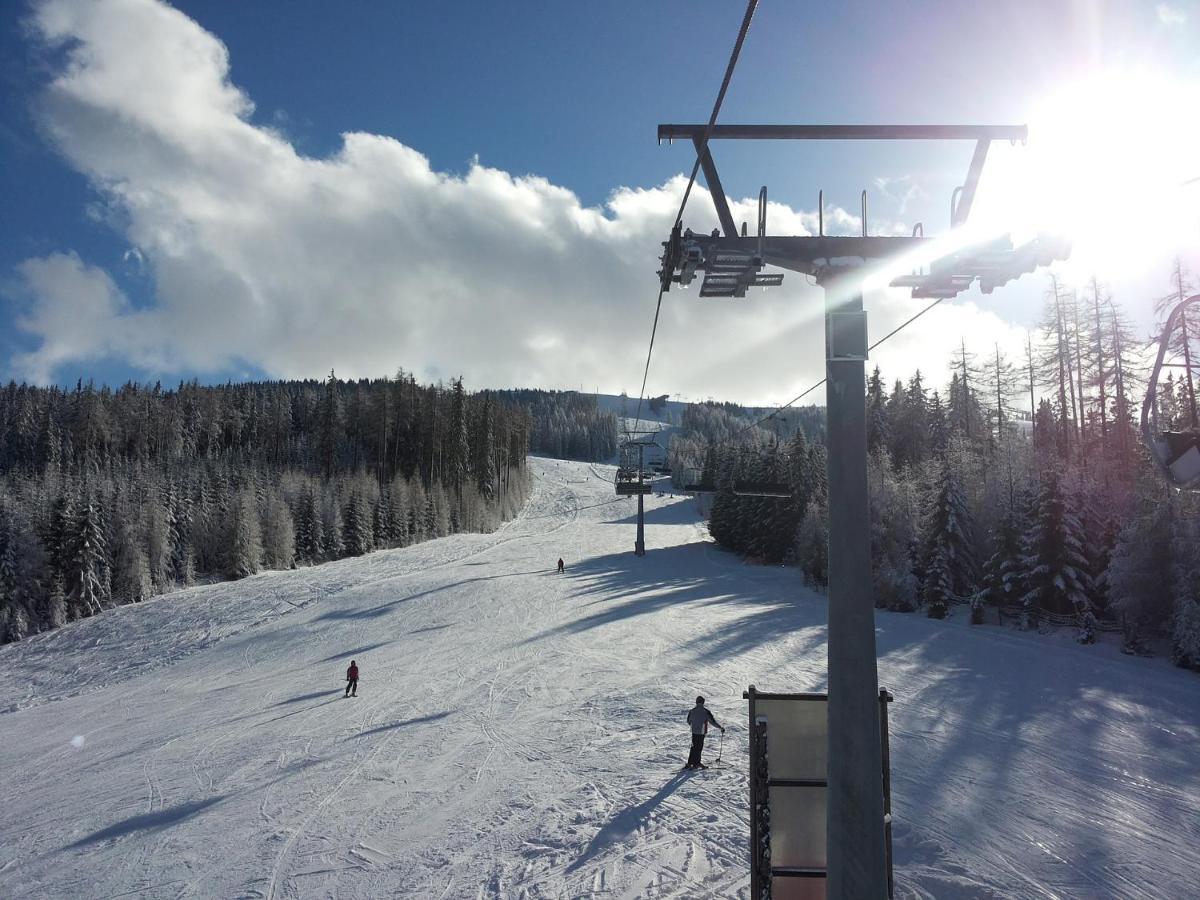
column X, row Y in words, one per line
column 352, row 679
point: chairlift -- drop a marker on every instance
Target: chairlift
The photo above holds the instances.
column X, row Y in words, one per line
column 1177, row 453
column 631, row 485
column 630, row 480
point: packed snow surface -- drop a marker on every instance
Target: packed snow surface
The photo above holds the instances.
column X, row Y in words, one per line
column 519, row 733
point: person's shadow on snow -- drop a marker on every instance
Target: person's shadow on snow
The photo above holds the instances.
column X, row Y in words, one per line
column 627, row 821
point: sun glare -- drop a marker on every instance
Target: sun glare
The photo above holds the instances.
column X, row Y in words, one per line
column 1111, row 163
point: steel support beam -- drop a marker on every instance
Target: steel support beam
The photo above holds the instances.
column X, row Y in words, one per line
column 854, row 823
column 846, row 132
column 809, row 254
column 714, row 188
column 967, row 199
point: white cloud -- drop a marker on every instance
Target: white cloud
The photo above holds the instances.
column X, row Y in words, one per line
column 1170, row 15
column 369, row 259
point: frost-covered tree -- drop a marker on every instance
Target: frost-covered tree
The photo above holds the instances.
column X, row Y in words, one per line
column 1140, row 594
column 278, row 533
column 812, row 545
column 1055, row 579
column 308, row 532
column 356, row 536
column 245, row 537
column 1002, row 572
column 948, row 539
column 88, row 577
column 893, row 531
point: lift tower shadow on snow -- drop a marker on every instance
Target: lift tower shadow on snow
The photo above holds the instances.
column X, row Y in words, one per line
column 730, row 263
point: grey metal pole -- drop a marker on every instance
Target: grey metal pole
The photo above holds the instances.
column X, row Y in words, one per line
column 854, row 827
column 639, row 546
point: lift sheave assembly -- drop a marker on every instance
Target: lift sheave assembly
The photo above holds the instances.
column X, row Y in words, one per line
column 732, row 262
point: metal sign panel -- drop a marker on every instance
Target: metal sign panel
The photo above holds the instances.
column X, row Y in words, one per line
column 788, row 786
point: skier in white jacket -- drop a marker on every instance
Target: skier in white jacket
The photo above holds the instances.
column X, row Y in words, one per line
column 698, row 717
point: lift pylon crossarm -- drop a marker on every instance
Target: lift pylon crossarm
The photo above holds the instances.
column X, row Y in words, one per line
column 672, row 132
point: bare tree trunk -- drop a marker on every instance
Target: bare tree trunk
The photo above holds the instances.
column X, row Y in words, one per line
column 1100, row 376
column 1065, row 425
column 1029, row 360
column 1122, row 402
column 1187, row 352
column 1079, row 368
column 966, row 385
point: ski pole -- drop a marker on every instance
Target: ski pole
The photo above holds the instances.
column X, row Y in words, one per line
column 720, row 748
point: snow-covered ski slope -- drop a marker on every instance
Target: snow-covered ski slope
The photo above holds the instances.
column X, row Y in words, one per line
column 519, row 733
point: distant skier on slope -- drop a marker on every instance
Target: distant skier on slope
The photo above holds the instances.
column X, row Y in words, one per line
column 560, row 565
column 352, row 679
column 699, row 717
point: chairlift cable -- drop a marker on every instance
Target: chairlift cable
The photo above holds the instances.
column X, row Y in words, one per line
column 813, row 387
column 712, row 121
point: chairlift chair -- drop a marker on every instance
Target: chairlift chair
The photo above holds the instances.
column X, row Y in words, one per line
column 1177, row 453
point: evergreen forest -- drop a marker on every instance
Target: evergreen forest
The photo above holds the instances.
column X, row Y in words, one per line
column 1014, row 490
column 110, row 497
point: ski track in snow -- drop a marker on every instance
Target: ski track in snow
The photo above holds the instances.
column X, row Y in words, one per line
column 519, row 734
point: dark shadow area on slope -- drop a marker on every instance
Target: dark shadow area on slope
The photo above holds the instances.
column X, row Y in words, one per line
column 315, row 695
column 152, row 821
column 625, row 822
column 988, row 719
column 420, row 720
column 357, row 651
column 1005, row 725
column 429, row 628
column 382, row 609
column 772, row 605
column 679, row 512
column 334, row 699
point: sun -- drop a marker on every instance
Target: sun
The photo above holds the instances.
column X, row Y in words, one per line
column 1112, row 162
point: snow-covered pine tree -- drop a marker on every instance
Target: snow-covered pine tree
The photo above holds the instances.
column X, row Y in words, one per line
column 812, row 544
column 1139, row 594
column 1002, row 571
column 893, row 529
column 950, row 567
column 878, row 430
column 723, row 519
column 332, row 544
column 245, row 536
column 399, row 513
column 381, row 518
column 87, row 578
column 308, row 527
column 14, row 618
column 1055, row 579
column 279, row 533
column 355, row 533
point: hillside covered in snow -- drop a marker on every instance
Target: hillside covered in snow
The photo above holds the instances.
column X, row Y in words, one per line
column 519, row 733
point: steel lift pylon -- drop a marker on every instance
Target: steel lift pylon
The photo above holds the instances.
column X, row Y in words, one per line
column 731, row 262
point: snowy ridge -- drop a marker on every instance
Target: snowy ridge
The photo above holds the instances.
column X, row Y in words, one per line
column 519, row 734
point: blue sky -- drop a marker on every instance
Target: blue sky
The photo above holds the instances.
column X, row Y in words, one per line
column 442, row 284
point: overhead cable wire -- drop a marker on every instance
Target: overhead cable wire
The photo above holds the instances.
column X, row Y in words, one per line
column 813, row 387
column 712, row 121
